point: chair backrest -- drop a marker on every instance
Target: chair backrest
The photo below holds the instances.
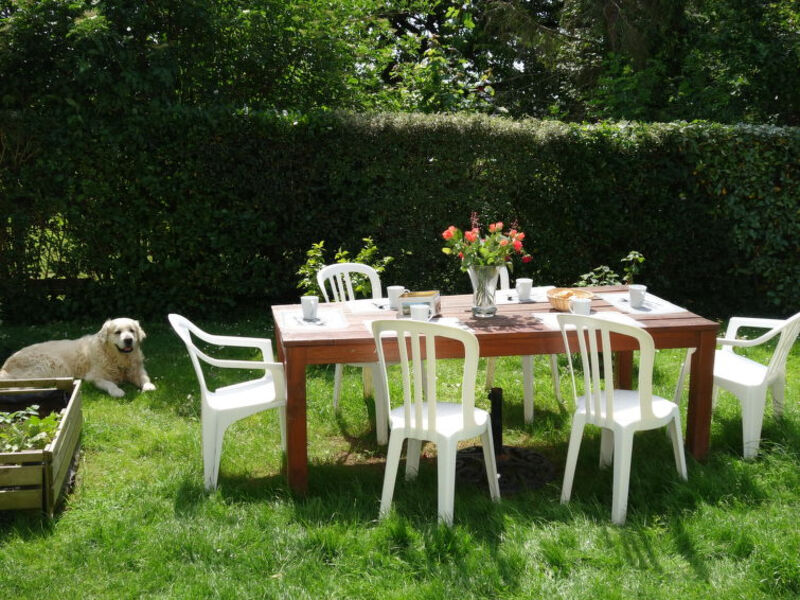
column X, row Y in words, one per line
column 790, row 330
column 185, row 328
column 338, row 278
column 415, row 334
column 504, row 280
column 599, row 390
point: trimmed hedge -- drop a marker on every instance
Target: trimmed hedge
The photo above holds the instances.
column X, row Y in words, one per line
column 208, row 212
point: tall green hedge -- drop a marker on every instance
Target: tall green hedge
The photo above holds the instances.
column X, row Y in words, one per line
column 211, row 212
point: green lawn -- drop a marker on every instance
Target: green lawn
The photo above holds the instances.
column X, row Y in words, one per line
column 138, row 523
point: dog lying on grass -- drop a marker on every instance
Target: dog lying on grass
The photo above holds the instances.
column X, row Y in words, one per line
column 106, row 358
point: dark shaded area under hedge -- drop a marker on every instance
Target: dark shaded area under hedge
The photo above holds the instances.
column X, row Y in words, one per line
column 206, row 212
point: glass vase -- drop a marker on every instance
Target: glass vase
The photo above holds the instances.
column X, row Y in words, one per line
column 484, row 285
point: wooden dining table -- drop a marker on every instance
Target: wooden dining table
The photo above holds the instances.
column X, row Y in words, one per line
column 342, row 334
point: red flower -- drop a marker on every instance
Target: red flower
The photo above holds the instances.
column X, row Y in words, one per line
column 498, row 226
column 517, row 245
column 504, row 242
column 471, row 236
column 527, row 258
column 520, row 236
column 461, row 255
column 449, row 232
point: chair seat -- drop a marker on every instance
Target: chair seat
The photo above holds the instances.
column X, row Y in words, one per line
column 627, row 408
column 737, row 369
column 259, row 394
column 449, row 419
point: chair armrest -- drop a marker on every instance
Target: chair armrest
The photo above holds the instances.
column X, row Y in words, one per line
column 275, row 369
column 736, row 322
column 730, row 341
column 233, row 363
column 263, row 344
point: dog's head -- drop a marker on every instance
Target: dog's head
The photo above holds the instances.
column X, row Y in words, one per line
column 124, row 334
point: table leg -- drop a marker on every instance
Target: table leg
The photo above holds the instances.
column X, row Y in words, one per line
column 297, row 441
column 701, row 384
column 624, row 369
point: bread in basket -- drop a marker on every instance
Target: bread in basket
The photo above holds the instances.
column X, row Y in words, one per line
column 560, row 297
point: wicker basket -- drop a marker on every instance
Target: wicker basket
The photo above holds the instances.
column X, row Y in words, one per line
column 560, row 297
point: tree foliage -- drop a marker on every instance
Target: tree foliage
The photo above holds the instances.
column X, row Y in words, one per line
column 655, row 60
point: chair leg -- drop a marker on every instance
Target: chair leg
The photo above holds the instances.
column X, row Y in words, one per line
column 575, row 437
column 282, row 423
column 381, row 402
column 752, row 421
column 606, row 448
column 556, row 379
column 337, row 385
column 213, row 432
column 684, row 372
column 527, row 388
column 367, row 379
column 778, row 388
column 676, row 435
column 491, row 365
column 623, row 448
column 446, row 480
column 413, row 451
column 487, row 442
column 390, row 475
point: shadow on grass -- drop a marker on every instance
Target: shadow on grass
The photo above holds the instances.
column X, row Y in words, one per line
column 360, row 443
column 26, row 525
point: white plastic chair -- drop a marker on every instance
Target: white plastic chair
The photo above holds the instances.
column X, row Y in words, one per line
column 620, row 413
column 527, row 368
column 423, row 418
column 747, row 379
column 226, row 405
column 337, row 279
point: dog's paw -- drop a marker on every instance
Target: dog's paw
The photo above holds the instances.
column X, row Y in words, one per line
column 148, row 387
column 116, row 392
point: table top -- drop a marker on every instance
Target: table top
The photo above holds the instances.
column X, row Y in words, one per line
column 516, row 323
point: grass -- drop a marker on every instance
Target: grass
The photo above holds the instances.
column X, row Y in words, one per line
column 138, row 523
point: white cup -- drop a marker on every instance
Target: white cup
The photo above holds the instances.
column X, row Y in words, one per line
column 394, row 292
column 309, row 305
column 524, row 288
column 637, row 293
column 580, row 306
column 420, row 312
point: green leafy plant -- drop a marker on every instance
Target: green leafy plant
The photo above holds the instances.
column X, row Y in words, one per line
column 26, row 430
column 604, row 275
column 632, row 266
column 315, row 260
column 494, row 249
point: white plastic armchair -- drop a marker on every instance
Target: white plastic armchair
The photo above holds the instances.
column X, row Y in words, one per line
column 226, row 405
column 422, row 417
column 528, row 391
column 336, row 283
column 747, row 379
column 619, row 413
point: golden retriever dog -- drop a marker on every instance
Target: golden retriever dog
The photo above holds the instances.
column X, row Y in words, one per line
column 106, row 358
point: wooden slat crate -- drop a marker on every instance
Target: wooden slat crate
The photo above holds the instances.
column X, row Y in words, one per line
column 34, row 479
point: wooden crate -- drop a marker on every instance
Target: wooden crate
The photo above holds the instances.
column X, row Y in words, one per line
column 34, row 479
